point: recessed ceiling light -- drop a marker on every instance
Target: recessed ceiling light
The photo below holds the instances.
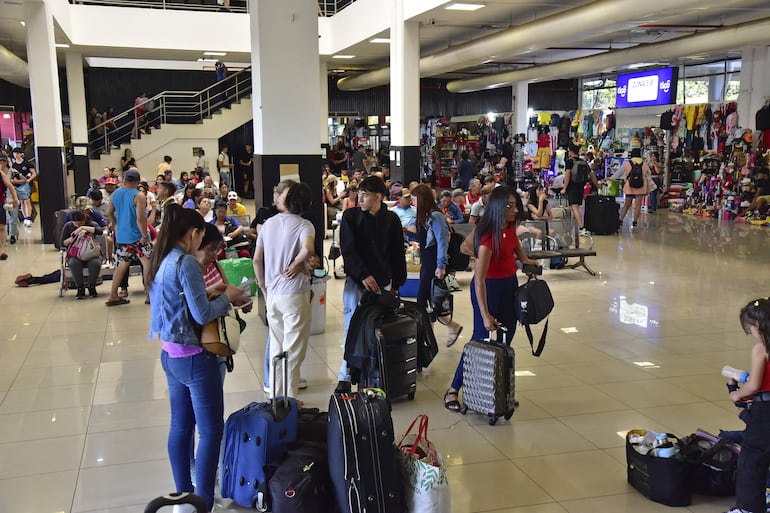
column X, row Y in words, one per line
column 380, row 40
column 23, row 24
column 338, row 71
column 62, row 45
column 200, row 59
column 217, row 54
column 340, row 56
column 457, row 6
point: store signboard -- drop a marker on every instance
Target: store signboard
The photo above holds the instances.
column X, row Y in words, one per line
column 647, row 88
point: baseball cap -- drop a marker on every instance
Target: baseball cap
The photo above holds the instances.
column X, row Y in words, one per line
column 132, row 175
column 110, row 181
column 232, row 195
column 405, row 193
column 3, row 157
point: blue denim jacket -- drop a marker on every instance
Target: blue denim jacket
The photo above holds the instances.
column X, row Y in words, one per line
column 438, row 233
column 170, row 321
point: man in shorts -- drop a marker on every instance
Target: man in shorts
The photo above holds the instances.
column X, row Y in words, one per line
column 578, row 173
column 9, row 198
column 127, row 215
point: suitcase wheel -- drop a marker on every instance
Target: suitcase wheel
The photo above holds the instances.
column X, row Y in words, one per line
column 464, row 410
column 493, row 420
column 509, row 415
column 410, row 396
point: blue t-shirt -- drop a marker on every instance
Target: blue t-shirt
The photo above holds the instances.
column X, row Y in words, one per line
column 127, row 229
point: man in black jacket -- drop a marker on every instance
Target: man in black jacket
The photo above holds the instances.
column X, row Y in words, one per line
column 372, row 244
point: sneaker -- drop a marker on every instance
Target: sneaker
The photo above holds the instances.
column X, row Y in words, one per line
column 13, row 239
column 92, row 292
column 343, row 387
column 302, row 384
column 583, row 232
column 633, row 224
column 27, row 223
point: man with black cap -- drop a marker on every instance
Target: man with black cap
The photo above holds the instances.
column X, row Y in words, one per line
column 6, row 189
column 127, row 213
column 372, row 244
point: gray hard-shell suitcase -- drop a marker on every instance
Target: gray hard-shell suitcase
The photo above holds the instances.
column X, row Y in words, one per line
column 489, row 378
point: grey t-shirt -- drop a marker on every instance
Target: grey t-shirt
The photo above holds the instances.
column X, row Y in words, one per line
column 477, row 209
column 282, row 238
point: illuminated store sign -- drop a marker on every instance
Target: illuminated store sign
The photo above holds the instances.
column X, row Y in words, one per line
column 646, row 88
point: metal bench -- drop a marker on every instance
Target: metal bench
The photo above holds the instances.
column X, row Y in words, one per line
column 558, row 238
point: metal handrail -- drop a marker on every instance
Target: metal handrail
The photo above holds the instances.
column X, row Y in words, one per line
column 331, row 7
column 162, row 4
column 169, row 107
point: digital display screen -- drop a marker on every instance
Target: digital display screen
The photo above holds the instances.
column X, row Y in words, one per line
column 647, row 88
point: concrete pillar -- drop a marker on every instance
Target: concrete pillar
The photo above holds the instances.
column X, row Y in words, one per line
column 323, row 81
column 76, row 92
column 46, row 114
column 755, row 68
column 404, row 97
column 284, row 98
column 520, row 107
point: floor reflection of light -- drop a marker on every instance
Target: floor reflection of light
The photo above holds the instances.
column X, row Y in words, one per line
column 571, row 329
column 525, row 373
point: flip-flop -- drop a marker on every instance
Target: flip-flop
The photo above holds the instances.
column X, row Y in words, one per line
column 452, row 340
column 117, row 302
column 454, row 405
column 3, row 256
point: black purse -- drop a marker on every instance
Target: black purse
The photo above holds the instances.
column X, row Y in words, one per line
column 663, row 480
column 535, row 303
column 441, row 300
column 713, row 464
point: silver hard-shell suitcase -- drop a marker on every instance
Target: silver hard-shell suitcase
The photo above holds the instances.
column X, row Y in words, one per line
column 489, row 378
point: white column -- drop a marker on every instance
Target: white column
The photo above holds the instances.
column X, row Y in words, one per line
column 76, row 93
column 520, row 107
column 404, row 79
column 755, row 69
column 323, row 80
column 43, row 74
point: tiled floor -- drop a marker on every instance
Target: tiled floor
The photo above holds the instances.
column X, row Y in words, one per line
column 83, row 400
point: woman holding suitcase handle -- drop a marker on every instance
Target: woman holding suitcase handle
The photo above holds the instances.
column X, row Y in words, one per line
column 432, row 232
column 494, row 284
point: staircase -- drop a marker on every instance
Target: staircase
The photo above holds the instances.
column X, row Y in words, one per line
column 177, row 121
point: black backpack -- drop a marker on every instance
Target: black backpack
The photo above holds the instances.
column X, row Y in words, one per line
column 580, row 172
column 636, row 176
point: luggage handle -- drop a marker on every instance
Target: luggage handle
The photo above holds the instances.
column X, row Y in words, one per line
column 173, row 499
column 500, row 329
column 277, row 358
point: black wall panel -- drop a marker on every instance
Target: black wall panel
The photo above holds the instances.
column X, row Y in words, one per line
column 554, row 95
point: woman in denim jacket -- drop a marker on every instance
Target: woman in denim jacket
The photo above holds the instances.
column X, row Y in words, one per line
column 432, row 232
column 179, row 299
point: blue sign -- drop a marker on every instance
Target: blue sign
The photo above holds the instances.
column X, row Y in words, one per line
column 646, row 88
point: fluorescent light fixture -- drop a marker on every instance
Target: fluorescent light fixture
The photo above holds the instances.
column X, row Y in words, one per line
column 201, row 59
column 216, row 54
column 338, row 71
column 380, row 40
column 23, row 24
column 340, row 56
column 62, row 45
column 458, row 6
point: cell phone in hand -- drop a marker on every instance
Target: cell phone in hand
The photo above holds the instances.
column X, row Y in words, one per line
column 532, row 269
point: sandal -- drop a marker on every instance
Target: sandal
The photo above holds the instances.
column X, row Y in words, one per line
column 453, row 337
column 453, row 405
column 117, row 302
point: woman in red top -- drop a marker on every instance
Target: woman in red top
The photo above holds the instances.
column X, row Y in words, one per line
column 494, row 284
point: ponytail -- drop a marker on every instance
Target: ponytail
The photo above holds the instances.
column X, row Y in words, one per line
column 177, row 221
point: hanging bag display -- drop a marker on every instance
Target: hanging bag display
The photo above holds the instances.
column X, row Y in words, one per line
column 535, row 303
column 426, row 487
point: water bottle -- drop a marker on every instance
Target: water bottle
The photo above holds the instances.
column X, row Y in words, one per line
column 741, row 376
column 660, row 439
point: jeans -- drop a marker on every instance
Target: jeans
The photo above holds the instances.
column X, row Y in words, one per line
column 754, row 460
column 501, row 302
column 226, row 177
column 653, row 205
column 12, row 218
column 351, row 295
column 195, row 393
column 76, row 269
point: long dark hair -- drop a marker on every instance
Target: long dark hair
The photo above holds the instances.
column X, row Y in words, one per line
column 425, row 203
column 493, row 221
column 176, row 222
column 757, row 313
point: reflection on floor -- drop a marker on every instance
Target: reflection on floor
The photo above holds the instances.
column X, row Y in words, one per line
column 83, row 400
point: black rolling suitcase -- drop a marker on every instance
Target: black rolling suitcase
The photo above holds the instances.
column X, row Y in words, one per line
column 602, row 215
column 364, row 471
column 427, row 347
column 489, row 378
column 394, row 368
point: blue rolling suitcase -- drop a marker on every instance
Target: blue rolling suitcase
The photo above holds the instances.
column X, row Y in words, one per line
column 256, row 439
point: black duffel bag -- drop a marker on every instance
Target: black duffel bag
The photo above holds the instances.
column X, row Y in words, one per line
column 535, row 303
column 713, row 464
column 663, row 480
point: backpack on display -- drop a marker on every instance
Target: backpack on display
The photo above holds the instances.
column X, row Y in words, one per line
column 580, row 172
column 636, row 176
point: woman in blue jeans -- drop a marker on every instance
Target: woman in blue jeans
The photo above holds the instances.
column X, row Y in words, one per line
column 180, row 305
column 494, row 284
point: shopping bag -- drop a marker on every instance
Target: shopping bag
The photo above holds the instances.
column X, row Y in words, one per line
column 236, row 269
column 425, row 482
column 84, row 248
column 663, row 480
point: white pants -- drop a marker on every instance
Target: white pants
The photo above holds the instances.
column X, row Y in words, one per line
column 288, row 317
